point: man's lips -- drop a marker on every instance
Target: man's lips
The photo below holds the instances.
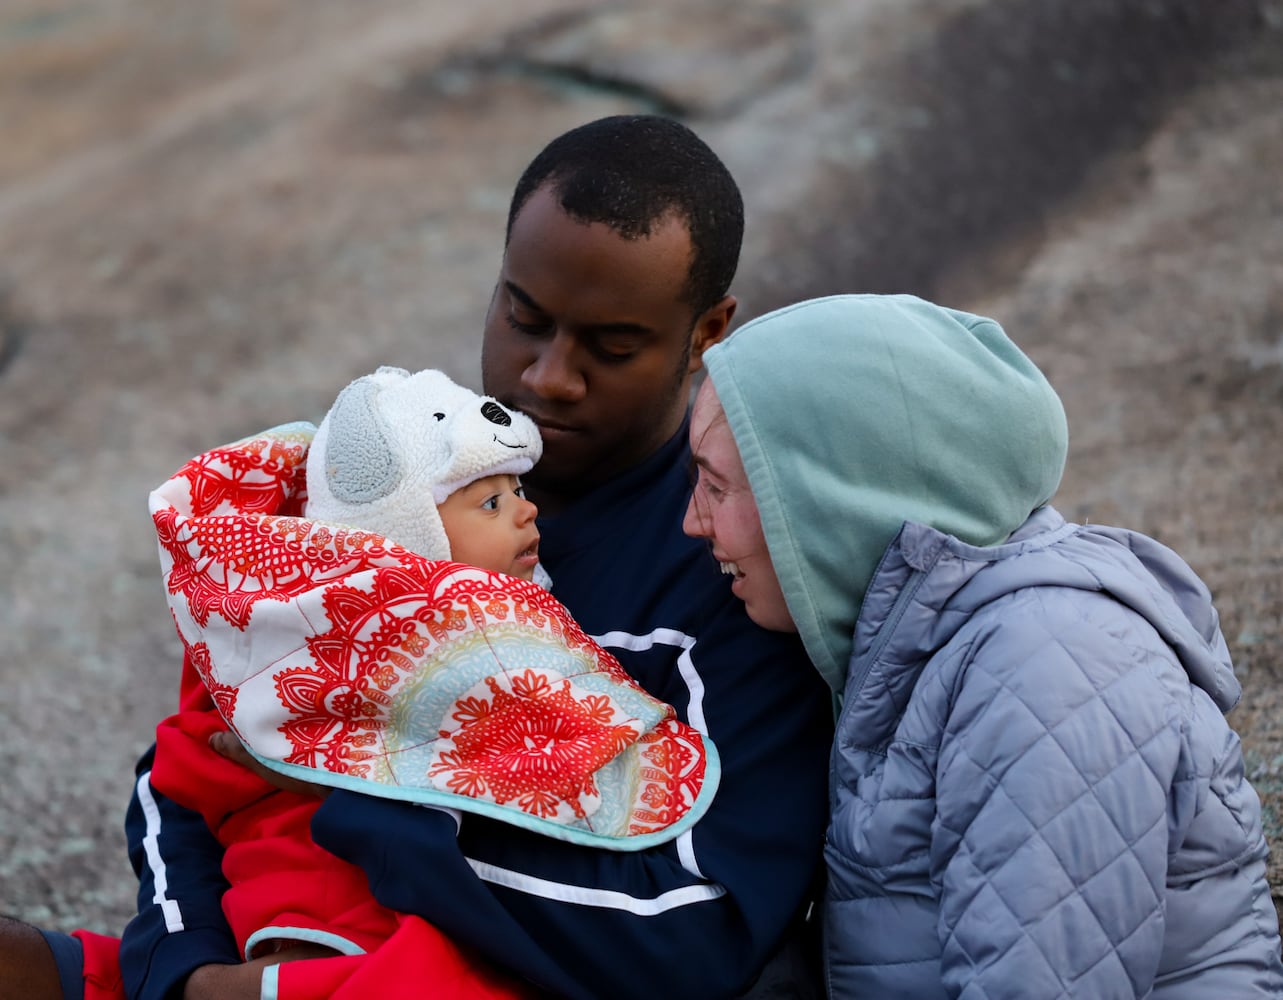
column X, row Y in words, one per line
column 554, row 426
column 544, row 422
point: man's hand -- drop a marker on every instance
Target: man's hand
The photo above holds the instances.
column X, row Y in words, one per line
column 244, row 981
column 27, row 966
column 227, row 745
column 226, row 982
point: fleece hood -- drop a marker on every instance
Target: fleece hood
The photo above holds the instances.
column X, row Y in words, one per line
column 856, row 413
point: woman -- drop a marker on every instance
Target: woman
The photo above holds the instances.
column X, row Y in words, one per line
column 1034, row 789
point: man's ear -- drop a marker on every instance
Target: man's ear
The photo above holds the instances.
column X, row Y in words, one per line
column 712, row 326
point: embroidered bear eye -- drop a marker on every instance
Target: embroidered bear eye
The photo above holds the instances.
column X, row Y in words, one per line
column 439, row 416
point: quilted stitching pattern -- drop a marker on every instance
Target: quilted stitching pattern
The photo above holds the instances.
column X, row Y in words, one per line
column 1054, row 858
column 1014, row 793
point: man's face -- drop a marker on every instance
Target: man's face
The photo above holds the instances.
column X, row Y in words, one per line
column 588, row 334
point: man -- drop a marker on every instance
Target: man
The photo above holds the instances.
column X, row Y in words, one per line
column 622, row 240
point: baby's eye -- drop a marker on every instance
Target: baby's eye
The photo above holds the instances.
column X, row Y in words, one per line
column 491, row 503
column 520, row 491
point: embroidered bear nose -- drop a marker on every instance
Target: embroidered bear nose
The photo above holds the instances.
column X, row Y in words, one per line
column 495, row 413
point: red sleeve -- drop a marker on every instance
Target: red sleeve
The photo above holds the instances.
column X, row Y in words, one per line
column 189, row 772
column 414, row 962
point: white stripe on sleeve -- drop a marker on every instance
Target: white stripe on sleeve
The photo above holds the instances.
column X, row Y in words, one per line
column 151, row 846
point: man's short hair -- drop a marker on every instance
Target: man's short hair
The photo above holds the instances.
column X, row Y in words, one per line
column 631, row 172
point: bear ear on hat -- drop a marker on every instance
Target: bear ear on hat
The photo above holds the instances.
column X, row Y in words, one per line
column 360, row 464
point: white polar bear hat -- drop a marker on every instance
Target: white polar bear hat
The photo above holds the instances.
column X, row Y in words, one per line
column 392, row 440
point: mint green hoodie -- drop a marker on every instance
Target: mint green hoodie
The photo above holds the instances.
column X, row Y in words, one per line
column 856, row 413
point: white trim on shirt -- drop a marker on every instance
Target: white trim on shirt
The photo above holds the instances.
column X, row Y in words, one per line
column 606, row 898
column 667, row 637
column 695, row 709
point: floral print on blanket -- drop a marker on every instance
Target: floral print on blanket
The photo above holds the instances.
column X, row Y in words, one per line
column 342, row 658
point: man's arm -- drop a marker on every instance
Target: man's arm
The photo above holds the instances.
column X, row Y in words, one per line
column 695, row 918
column 180, row 925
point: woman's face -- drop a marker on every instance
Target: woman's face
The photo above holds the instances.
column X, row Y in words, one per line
column 722, row 510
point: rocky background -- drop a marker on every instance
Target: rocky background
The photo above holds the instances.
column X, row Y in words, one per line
column 214, row 214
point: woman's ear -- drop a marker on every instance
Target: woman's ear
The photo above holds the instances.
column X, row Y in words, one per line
column 712, row 326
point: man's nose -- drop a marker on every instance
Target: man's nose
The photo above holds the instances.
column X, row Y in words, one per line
column 554, row 374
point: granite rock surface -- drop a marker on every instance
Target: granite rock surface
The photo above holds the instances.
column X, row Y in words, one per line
column 214, row 215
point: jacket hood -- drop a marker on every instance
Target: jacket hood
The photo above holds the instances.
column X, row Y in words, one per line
column 957, row 582
column 855, row 413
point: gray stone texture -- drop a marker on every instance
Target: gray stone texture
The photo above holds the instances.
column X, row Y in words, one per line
column 214, row 215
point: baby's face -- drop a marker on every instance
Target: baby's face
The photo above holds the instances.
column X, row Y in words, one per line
column 491, row 524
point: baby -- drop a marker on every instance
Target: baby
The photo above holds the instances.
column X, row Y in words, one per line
column 391, row 641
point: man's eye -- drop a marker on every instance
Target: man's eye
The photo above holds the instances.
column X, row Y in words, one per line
column 616, row 350
column 532, row 328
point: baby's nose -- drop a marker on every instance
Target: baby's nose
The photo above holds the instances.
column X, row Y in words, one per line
column 495, row 413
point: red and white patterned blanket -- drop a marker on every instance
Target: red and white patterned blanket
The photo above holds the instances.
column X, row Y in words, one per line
column 341, row 658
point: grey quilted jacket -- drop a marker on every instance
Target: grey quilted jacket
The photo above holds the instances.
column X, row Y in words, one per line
column 1035, row 791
